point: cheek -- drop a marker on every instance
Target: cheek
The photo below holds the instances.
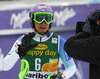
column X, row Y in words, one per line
column 36, row 25
column 48, row 26
column 37, row 28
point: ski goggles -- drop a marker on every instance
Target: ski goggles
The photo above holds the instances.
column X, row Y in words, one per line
column 39, row 17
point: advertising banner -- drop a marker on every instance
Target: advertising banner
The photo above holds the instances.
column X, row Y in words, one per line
column 64, row 17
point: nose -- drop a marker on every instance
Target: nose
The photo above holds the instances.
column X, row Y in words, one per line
column 43, row 23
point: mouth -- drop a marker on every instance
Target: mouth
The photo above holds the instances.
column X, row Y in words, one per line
column 42, row 27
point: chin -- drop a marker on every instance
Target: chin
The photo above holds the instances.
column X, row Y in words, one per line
column 41, row 32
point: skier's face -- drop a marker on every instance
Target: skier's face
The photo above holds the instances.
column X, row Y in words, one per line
column 42, row 27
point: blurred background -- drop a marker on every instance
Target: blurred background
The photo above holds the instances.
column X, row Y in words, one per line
column 14, row 21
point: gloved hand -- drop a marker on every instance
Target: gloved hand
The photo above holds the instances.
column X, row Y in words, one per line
column 57, row 76
column 25, row 45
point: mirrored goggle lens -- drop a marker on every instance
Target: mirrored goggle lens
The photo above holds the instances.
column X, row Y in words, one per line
column 39, row 18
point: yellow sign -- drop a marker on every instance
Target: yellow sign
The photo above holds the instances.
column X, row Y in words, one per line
column 52, row 66
column 51, row 53
column 40, row 53
column 41, row 47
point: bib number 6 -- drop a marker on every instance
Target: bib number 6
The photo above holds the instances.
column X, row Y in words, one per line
column 37, row 64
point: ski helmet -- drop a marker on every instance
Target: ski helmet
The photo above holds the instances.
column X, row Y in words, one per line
column 39, row 8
